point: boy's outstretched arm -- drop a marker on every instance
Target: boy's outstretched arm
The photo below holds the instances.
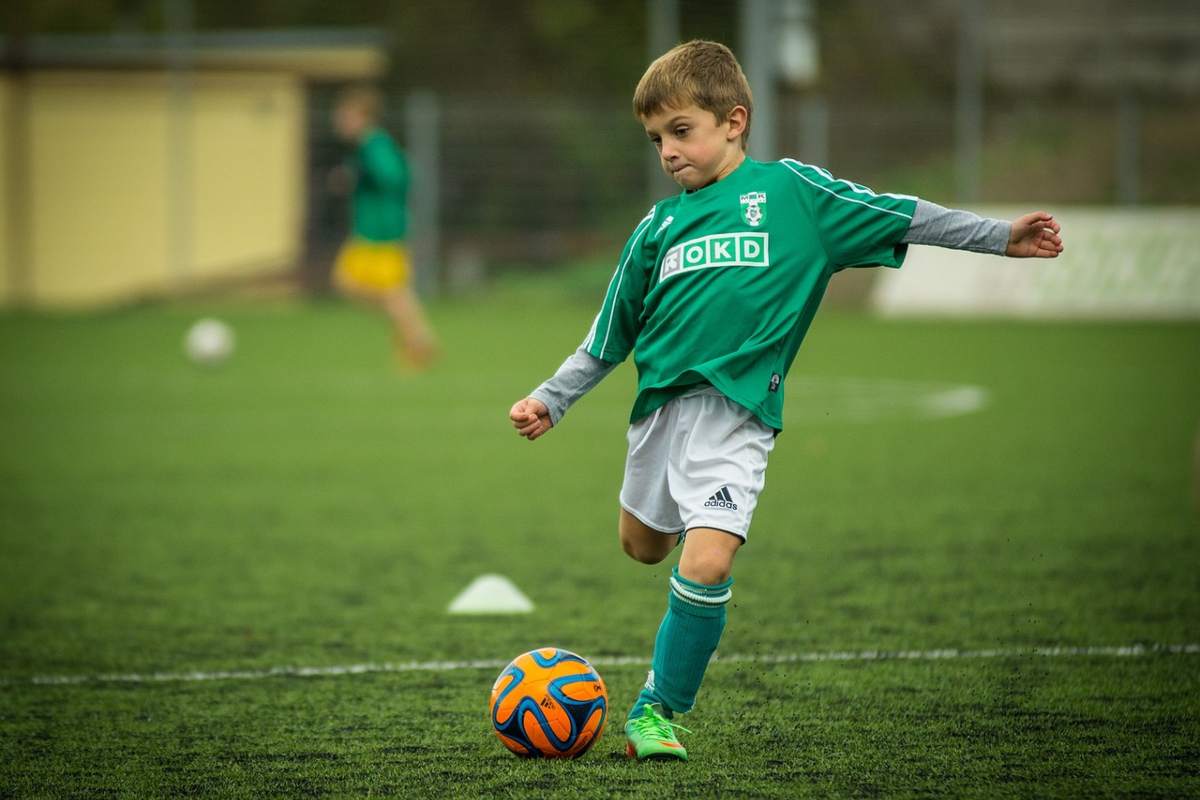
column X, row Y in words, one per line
column 545, row 406
column 1033, row 235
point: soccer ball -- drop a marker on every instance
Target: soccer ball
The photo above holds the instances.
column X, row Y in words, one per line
column 549, row 703
column 208, row 341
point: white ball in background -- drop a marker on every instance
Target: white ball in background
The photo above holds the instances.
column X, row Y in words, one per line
column 209, row 341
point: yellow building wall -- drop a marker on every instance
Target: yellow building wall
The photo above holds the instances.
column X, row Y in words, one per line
column 247, row 143
column 5, row 177
column 97, row 163
column 127, row 200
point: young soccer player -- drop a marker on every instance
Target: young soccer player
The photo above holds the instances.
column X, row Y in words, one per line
column 373, row 264
column 713, row 294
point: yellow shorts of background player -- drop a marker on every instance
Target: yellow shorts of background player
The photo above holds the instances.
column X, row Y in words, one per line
column 372, row 267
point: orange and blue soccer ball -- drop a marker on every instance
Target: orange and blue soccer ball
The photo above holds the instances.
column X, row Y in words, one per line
column 549, row 703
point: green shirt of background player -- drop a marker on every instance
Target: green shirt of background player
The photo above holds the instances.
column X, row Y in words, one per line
column 379, row 212
column 373, row 265
column 713, row 294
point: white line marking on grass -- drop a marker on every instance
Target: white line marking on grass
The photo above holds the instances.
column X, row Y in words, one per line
column 1121, row 651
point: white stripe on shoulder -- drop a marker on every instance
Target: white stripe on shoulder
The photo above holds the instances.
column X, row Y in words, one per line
column 795, row 167
column 856, row 187
column 617, row 278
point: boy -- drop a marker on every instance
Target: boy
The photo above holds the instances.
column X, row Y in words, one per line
column 373, row 264
column 713, row 293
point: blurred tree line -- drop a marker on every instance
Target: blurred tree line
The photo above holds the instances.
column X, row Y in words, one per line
column 473, row 46
column 536, row 46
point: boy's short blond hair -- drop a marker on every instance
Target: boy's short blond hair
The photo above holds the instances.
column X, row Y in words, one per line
column 363, row 98
column 698, row 72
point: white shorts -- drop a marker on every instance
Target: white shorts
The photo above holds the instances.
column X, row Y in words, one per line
column 697, row 462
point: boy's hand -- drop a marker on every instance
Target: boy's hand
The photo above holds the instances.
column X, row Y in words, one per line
column 530, row 417
column 1034, row 236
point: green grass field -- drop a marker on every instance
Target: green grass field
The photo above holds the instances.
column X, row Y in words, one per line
column 305, row 505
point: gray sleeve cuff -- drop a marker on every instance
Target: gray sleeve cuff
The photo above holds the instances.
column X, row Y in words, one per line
column 577, row 375
column 960, row 230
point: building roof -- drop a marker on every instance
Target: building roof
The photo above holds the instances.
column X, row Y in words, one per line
column 323, row 54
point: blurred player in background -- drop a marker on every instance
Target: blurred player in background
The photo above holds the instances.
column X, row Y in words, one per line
column 373, row 265
column 713, row 293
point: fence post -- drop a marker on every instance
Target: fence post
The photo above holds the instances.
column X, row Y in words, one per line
column 1128, row 153
column 968, row 107
column 758, row 45
column 421, row 125
column 662, row 22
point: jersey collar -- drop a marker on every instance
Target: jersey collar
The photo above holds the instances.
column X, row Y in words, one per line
column 697, row 194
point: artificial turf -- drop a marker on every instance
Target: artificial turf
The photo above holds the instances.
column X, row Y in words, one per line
column 306, row 504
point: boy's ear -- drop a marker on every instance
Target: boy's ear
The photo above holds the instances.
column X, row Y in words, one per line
column 737, row 119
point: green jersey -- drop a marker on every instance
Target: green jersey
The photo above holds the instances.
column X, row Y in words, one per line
column 720, row 285
column 380, row 190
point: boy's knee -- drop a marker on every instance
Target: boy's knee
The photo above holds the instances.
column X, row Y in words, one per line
column 707, row 569
column 708, row 556
column 642, row 543
column 640, row 549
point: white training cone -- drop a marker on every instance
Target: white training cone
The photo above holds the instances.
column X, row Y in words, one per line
column 491, row 594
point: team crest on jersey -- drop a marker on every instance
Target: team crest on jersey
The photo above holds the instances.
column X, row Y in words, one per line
column 754, row 208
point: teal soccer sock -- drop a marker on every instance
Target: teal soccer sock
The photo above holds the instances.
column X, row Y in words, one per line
column 686, row 640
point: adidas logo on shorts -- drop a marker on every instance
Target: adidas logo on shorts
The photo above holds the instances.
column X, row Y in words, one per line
column 721, row 499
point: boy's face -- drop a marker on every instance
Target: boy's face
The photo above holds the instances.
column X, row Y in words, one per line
column 694, row 149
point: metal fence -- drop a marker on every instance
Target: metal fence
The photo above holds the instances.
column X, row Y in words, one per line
column 537, row 181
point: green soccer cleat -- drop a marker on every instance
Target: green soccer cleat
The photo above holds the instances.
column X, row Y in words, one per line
column 652, row 736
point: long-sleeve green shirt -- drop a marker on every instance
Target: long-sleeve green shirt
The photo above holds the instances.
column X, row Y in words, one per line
column 379, row 212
